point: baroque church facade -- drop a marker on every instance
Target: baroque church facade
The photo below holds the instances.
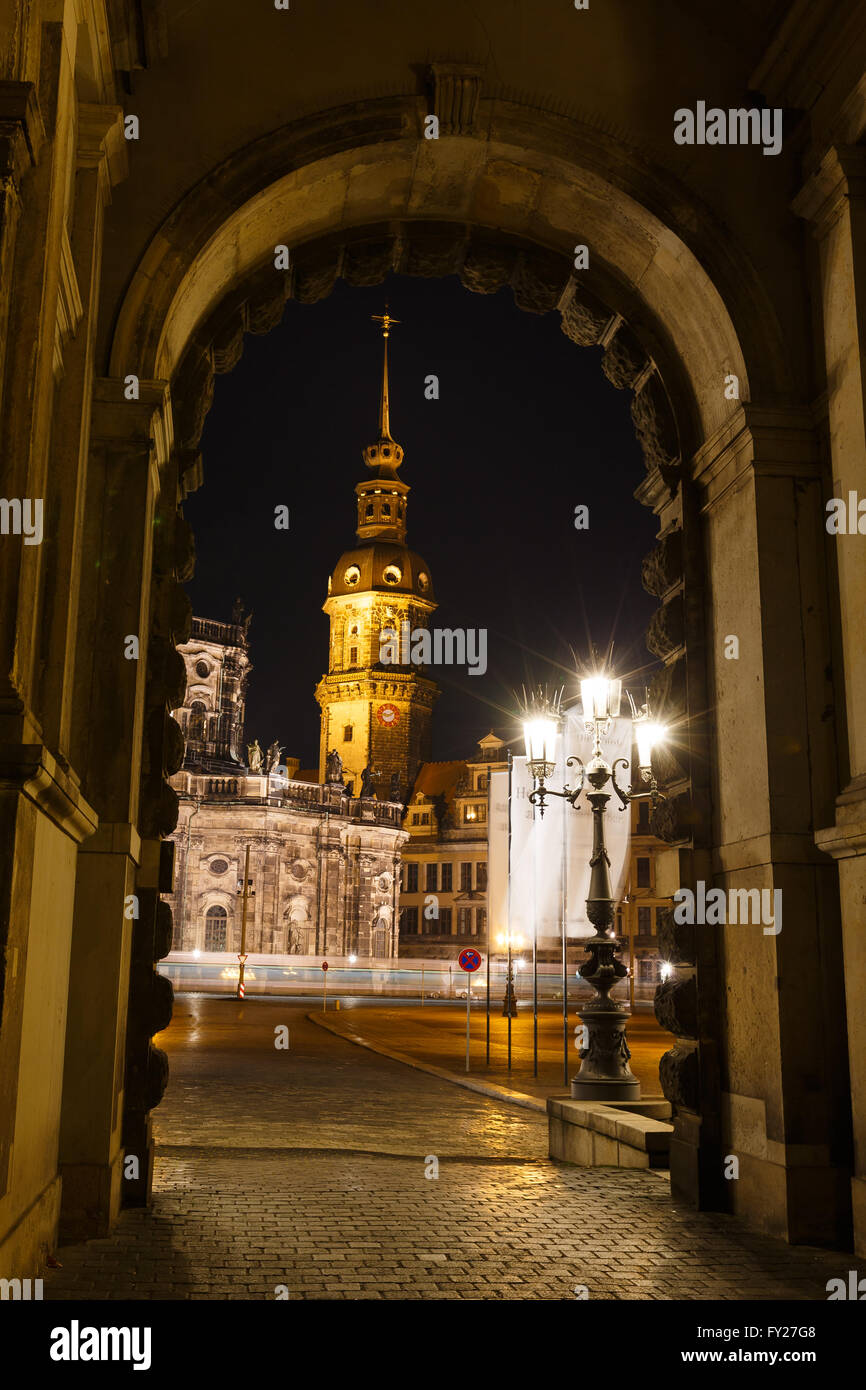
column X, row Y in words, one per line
column 324, row 863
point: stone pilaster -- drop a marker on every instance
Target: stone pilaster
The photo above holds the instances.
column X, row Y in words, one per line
column 114, row 912
column 833, row 200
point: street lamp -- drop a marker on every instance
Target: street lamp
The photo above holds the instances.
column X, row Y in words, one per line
column 604, row 1069
column 510, row 941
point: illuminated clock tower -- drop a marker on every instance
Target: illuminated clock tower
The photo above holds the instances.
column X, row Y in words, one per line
column 377, row 713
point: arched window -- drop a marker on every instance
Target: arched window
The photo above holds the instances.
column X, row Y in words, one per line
column 216, row 929
column 195, row 728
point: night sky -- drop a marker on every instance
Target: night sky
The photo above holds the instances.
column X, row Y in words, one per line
column 525, row 429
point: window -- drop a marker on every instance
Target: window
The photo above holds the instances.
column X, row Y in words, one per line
column 430, row 881
column 481, row 876
column 447, row 880
column 347, row 734
column 353, row 656
column 369, row 509
column 351, row 577
column 411, row 878
column 476, row 814
column 392, row 574
column 643, row 817
column 643, row 873
column 464, row 921
column 202, row 669
column 215, row 929
column 409, row 920
column 425, row 817
column 465, row 878
column 386, row 509
column 480, row 922
column 481, row 784
column 195, row 728
column 644, row 921
column 445, row 921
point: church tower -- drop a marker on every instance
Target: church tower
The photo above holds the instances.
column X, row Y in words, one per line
column 377, row 713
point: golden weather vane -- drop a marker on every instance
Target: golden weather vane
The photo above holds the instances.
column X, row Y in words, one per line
column 385, row 319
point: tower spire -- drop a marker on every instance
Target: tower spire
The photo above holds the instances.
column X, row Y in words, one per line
column 384, row 405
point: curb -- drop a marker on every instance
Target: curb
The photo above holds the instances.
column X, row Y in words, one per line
column 485, row 1088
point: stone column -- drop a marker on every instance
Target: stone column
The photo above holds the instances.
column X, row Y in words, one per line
column 833, row 200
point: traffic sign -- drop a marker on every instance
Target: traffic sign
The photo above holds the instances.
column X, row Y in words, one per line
column 324, row 965
column 469, row 960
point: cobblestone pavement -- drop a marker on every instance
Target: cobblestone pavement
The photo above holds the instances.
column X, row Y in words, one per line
column 306, row 1169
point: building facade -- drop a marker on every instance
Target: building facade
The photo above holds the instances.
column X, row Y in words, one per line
column 323, row 865
column 443, row 903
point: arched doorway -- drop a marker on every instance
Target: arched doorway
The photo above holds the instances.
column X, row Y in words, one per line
column 674, row 328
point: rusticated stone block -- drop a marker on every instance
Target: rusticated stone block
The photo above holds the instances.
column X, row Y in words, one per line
column 315, row 278
column 161, row 1000
column 266, row 307
column 666, row 631
column 228, row 343
column 655, row 425
column 180, row 619
column 192, row 395
column 676, row 1006
column 663, row 567
column 676, row 939
column 674, row 819
column 433, row 253
column 184, row 550
column 157, row 1076
column 487, row 267
column 173, row 746
column 679, row 1075
column 159, row 808
column 368, row 262
column 624, row 359
column 668, row 691
column 162, row 931
column 538, row 282
column 583, row 318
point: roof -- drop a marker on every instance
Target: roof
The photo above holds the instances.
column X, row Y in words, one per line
column 438, row 779
column 371, row 561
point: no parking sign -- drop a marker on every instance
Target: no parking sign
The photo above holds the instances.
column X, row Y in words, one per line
column 470, row 961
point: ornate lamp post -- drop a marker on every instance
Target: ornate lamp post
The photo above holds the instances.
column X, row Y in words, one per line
column 604, row 1073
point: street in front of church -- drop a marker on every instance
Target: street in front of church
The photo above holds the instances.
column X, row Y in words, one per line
column 327, row 1171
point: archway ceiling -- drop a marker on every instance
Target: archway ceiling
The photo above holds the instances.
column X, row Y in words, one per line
column 602, row 94
column 645, row 298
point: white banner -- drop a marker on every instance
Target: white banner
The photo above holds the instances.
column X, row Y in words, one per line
column 550, row 855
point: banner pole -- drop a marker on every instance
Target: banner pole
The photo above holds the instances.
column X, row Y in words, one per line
column 564, row 914
column 534, row 951
column 508, row 911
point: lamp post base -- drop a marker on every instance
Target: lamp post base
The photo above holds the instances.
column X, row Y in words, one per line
column 605, row 1090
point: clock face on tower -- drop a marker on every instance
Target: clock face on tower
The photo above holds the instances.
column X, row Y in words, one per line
column 388, row 715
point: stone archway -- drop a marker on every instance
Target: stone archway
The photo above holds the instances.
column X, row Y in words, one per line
column 365, row 195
